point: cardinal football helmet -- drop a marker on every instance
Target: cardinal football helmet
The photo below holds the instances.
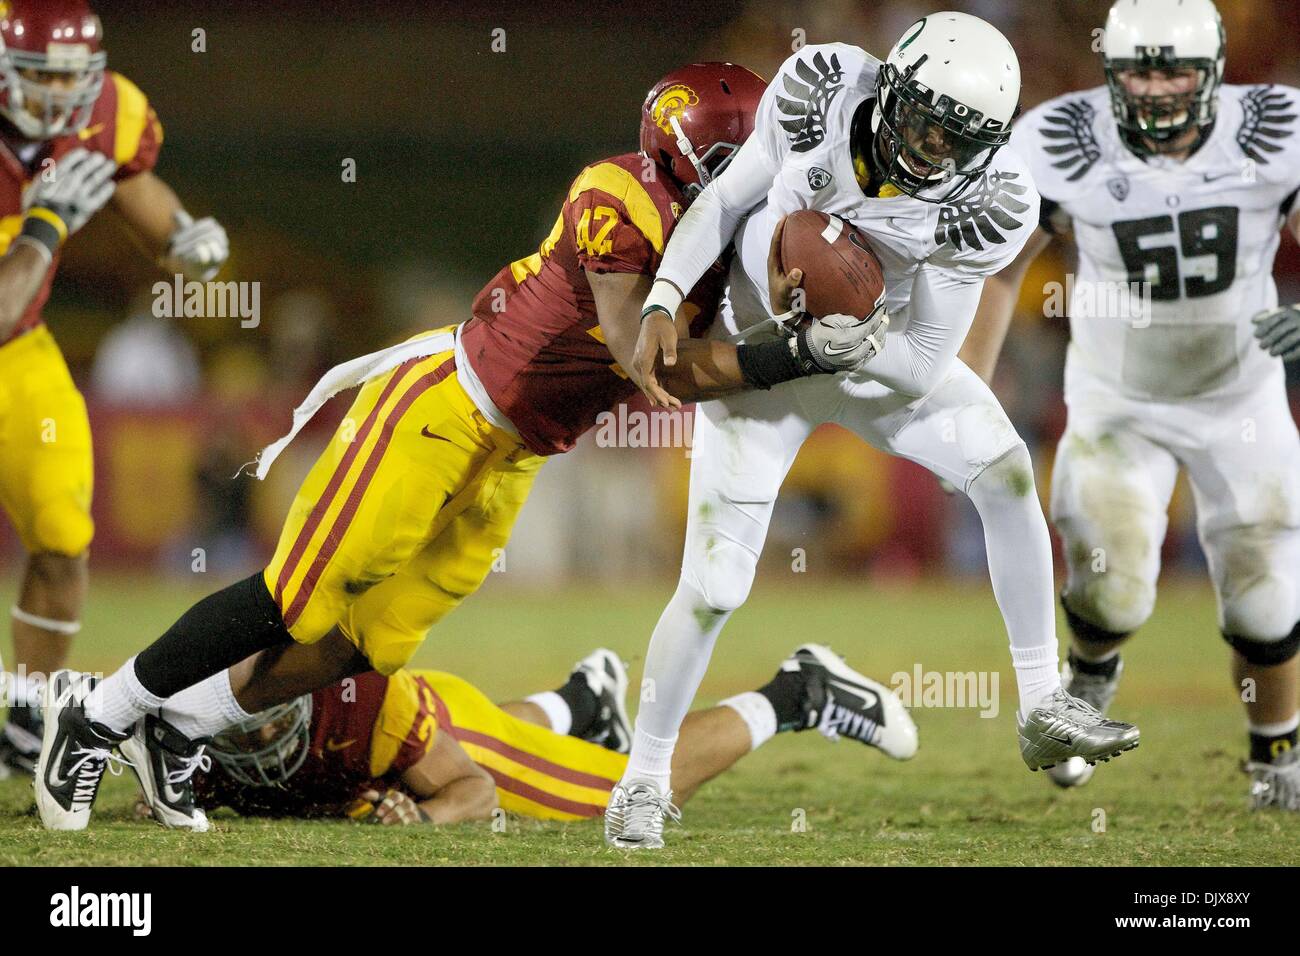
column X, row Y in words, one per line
column 51, row 65
column 695, row 118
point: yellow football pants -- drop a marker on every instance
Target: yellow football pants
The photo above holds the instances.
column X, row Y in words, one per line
column 538, row 773
column 401, row 517
column 46, row 463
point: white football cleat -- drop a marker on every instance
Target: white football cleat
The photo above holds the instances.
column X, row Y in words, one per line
column 75, row 752
column 1276, row 784
column 840, row 702
column 606, row 675
column 165, row 761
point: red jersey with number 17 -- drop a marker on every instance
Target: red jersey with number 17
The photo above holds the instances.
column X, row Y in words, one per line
column 534, row 341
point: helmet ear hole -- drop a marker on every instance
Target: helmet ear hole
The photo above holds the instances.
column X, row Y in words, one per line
column 725, row 88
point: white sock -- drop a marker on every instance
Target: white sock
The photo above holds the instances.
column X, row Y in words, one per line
column 1019, row 552
column 205, row 709
column 556, row 709
column 1038, row 675
column 757, row 713
column 653, row 759
column 1277, row 729
column 120, row 700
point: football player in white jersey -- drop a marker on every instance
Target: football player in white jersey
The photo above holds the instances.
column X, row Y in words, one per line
column 909, row 151
column 1170, row 178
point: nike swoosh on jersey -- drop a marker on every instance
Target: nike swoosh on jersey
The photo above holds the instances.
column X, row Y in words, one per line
column 428, row 434
column 90, row 131
column 336, row 745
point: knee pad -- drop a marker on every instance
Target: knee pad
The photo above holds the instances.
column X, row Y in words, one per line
column 1262, row 608
column 1086, row 632
column 1266, row 653
column 1111, row 603
column 722, row 571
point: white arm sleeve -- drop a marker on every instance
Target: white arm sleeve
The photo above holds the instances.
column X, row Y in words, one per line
column 915, row 359
column 708, row 225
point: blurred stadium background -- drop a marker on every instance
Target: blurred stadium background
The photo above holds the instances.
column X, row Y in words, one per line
column 462, row 156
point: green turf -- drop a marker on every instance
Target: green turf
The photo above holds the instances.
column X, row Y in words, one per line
column 965, row 798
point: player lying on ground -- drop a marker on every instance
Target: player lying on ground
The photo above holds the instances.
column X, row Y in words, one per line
column 909, row 151
column 1168, row 178
column 438, row 452
column 428, row 747
column 73, row 135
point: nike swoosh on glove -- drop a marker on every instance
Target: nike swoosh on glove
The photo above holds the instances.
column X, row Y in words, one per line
column 841, row 343
column 197, row 249
column 1278, row 331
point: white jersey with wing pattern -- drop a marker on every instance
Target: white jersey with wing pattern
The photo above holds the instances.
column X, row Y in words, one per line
column 805, row 124
column 1202, row 233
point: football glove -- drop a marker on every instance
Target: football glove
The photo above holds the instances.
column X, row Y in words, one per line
column 841, row 343
column 60, row 205
column 196, row 249
column 1278, row 331
column 392, row 807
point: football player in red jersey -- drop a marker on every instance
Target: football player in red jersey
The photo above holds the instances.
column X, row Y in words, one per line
column 73, row 136
column 404, row 513
column 424, row 746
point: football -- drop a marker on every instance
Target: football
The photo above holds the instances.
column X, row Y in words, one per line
column 841, row 275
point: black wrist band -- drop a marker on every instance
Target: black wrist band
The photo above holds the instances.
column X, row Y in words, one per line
column 654, row 308
column 43, row 232
column 768, row 363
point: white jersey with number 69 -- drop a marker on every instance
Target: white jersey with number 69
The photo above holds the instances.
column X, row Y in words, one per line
column 1175, row 257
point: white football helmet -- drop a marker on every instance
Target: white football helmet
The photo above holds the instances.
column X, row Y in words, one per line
column 1166, row 35
column 945, row 98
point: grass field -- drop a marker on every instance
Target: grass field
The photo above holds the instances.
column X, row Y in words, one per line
column 965, row 799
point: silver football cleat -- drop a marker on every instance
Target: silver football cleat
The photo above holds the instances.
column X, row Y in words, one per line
column 634, row 818
column 1276, row 784
column 1091, row 689
column 1063, row 727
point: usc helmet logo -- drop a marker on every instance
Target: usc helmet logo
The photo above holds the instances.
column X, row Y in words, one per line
column 672, row 102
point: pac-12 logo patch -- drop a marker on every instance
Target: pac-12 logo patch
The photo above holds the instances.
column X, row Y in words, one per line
column 1118, row 188
column 672, row 102
column 818, row 178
